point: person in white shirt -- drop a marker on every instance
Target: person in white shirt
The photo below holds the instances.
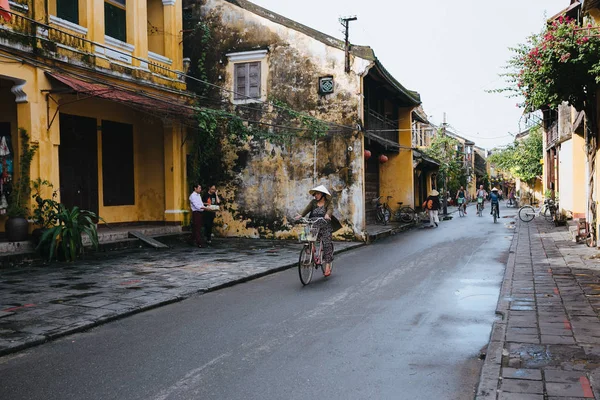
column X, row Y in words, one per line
column 198, row 208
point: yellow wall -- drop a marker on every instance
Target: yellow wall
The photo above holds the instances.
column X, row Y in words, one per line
column 148, row 159
column 156, row 24
column 396, row 177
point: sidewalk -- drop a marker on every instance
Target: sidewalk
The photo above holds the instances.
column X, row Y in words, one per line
column 43, row 302
column 547, row 344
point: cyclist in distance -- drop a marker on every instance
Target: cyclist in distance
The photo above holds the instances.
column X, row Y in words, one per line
column 495, row 199
column 482, row 194
column 461, row 199
column 322, row 206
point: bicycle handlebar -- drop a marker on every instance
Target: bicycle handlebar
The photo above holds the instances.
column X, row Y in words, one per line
column 304, row 220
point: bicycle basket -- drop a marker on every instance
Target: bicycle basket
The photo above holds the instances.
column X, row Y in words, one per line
column 480, row 200
column 310, row 233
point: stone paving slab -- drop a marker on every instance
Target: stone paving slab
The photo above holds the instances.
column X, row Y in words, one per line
column 43, row 302
column 549, row 337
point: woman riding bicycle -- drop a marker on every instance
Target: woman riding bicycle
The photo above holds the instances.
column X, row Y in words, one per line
column 322, row 206
column 461, row 199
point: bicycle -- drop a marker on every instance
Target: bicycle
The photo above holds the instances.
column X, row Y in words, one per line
column 462, row 205
column 383, row 212
column 547, row 210
column 310, row 255
column 480, row 206
column 404, row 213
column 495, row 211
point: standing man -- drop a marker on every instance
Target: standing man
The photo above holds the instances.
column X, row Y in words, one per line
column 198, row 208
column 211, row 198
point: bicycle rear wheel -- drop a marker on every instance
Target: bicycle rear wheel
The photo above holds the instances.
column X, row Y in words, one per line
column 305, row 264
column 406, row 214
column 495, row 212
column 526, row 213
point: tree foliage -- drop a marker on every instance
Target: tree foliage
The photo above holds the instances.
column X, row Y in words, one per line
column 562, row 63
column 445, row 149
column 522, row 158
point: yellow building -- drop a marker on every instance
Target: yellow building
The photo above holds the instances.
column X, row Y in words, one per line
column 96, row 84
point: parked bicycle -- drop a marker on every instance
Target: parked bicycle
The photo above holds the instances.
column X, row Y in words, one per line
column 383, row 212
column 547, row 210
column 312, row 251
column 404, row 213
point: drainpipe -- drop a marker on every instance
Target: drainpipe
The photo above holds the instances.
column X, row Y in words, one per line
column 315, row 165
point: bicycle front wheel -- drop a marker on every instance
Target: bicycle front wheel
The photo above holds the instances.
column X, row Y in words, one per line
column 526, row 213
column 461, row 212
column 406, row 214
column 386, row 216
column 305, row 264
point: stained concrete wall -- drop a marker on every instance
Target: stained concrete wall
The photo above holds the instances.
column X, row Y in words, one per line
column 273, row 180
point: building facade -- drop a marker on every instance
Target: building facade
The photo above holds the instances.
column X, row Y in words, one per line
column 98, row 86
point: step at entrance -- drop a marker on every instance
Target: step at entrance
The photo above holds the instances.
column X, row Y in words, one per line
column 147, row 240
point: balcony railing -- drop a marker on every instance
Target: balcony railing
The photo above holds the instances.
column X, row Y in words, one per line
column 29, row 34
column 382, row 126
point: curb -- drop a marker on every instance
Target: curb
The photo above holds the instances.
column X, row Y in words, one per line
column 171, row 300
column 487, row 387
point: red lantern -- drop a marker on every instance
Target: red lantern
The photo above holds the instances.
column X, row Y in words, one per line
column 383, row 159
column 367, row 154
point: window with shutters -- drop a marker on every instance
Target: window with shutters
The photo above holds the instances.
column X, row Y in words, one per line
column 68, row 10
column 247, row 81
column 248, row 70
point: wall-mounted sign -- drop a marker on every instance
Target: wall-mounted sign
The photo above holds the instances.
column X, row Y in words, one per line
column 326, row 85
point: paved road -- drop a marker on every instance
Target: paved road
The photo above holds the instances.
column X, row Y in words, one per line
column 404, row 318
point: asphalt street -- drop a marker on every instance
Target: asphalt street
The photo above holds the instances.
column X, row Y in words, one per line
column 404, row 318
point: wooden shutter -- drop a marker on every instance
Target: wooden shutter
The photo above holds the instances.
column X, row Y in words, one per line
column 240, row 81
column 254, row 81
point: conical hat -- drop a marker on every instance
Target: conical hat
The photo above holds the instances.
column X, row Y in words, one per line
column 434, row 193
column 321, row 189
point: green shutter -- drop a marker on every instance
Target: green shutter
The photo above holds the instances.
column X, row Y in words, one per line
column 68, row 10
column 115, row 24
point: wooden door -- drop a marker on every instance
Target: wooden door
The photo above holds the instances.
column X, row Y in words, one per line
column 78, row 162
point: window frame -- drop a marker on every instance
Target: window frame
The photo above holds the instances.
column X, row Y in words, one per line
column 248, row 58
column 119, row 6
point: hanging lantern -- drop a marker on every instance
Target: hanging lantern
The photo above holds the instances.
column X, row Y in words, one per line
column 383, row 159
column 367, row 154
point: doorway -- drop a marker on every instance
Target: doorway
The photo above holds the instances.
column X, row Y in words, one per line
column 78, row 162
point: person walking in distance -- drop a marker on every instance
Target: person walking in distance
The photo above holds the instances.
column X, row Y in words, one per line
column 432, row 205
column 198, row 208
column 211, row 198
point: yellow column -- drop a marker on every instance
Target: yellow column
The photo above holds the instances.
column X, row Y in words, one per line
column 173, row 16
column 396, row 177
column 137, row 28
column 95, row 20
column 174, row 156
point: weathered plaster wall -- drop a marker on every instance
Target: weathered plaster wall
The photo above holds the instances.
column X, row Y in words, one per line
column 272, row 180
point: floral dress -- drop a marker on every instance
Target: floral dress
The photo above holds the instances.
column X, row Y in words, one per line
column 324, row 233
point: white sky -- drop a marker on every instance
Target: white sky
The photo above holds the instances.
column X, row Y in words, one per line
column 450, row 51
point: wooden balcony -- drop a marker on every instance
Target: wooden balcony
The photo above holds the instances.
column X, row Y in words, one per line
column 381, row 126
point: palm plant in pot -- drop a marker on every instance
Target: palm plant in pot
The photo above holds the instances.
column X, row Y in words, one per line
column 17, row 226
column 44, row 210
column 64, row 240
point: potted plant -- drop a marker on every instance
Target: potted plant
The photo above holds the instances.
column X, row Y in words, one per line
column 64, row 240
column 16, row 226
column 44, row 211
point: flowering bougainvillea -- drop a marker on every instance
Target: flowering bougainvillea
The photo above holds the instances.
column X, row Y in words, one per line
column 562, row 63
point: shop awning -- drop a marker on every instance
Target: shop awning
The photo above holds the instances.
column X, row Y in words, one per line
column 424, row 160
column 155, row 104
